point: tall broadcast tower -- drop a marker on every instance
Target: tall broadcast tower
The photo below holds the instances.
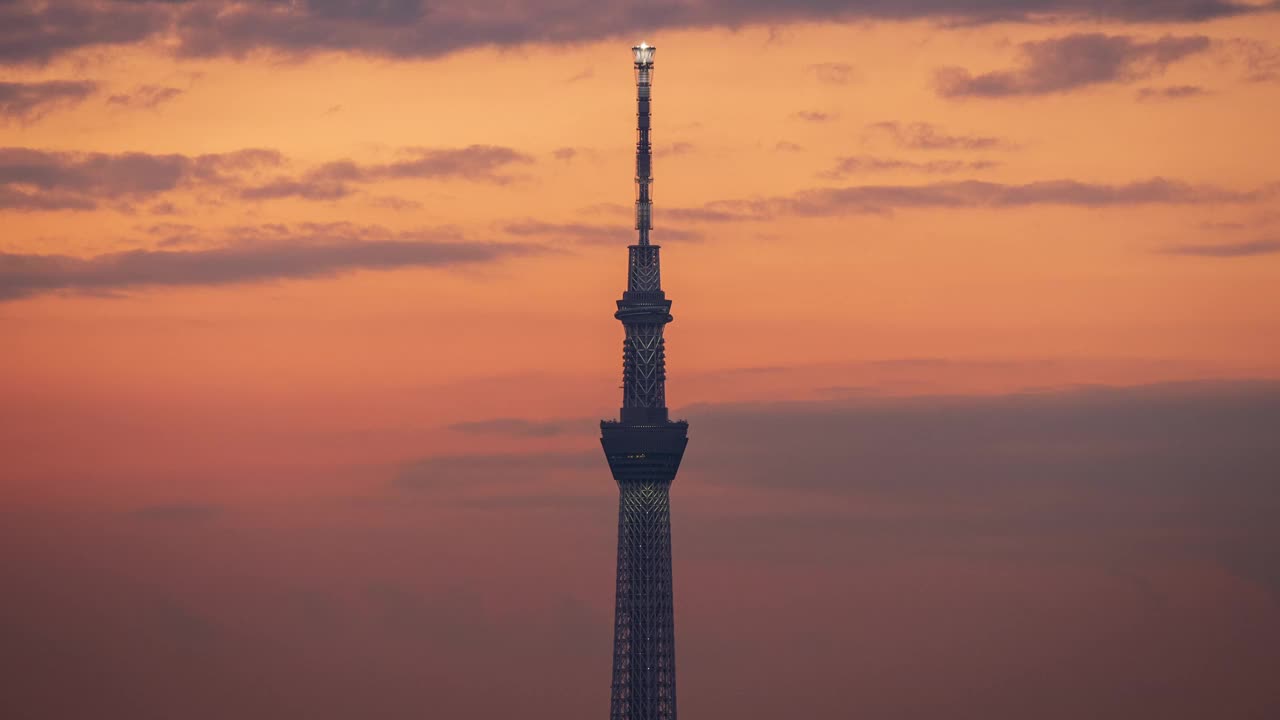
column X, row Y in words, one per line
column 644, row 448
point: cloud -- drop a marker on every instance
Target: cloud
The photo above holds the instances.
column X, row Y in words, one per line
column 42, row 180
column 36, row 32
column 451, row 473
column 675, row 148
column 859, row 199
column 834, row 73
column 256, row 255
column 306, row 188
column 520, row 427
column 30, row 101
column 395, row 203
column 1174, row 92
column 477, row 163
column 868, row 163
column 1225, row 250
column 418, row 29
column 814, row 116
column 1261, row 60
column 787, row 146
column 595, row 234
column 171, row 235
column 564, row 153
column 1136, row 437
column 179, row 512
column 145, row 96
column 927, row 136
column 1072, row 62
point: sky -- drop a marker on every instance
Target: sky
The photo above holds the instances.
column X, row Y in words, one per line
column 306, row 326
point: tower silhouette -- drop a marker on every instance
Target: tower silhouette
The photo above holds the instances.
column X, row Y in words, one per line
column 644, row 448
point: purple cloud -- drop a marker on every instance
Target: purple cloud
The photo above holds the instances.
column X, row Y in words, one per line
column 1225, row 250
column 145, row 96
column 35, row 32
column 868, row 164
column 927, row 136
column 594, row 234
column 30, row 101
column 1175, row 92
column 814, row 116
column 1072, row 62
column 255, row 255
column 42, row 180
column 967, row 194
column 834, row 73
column 478, row 163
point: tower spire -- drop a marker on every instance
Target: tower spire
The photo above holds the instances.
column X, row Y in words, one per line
column 644, row 147
column 644, row 449
column 644, row 309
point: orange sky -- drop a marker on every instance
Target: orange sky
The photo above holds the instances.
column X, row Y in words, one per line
column 1040, row 282
column 1065, row 294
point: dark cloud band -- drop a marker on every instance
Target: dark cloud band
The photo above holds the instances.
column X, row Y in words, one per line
column 271, row 253
column 37, row 32
column 857, row 199
column 33, row 179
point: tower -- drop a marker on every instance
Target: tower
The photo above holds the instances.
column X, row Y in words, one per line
column 644, row 449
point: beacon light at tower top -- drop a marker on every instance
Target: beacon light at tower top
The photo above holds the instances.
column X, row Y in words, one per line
column 644, row 53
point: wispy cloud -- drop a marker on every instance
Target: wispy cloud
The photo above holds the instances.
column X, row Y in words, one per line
column 855, row 164
column 183, row 512
column 594, row 234
column 257, row 254
column 449, row 472
column 680, row 147
column 1173, row 92
column 834, row 73
column 525, row 428
column 927, row 136
column 477, row 163
column 33, row 179
column 1225, row 250
column 859, row 199
column 145, row 96
column 814, row 116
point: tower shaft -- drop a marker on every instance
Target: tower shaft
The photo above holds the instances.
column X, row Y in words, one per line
column 644, row 449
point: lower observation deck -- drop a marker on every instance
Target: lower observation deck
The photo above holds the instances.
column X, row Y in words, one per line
column 644, row 453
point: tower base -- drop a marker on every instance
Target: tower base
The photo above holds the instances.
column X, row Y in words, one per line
column 644, row 460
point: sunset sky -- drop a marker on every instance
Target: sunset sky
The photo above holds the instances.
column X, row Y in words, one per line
column 306, row 323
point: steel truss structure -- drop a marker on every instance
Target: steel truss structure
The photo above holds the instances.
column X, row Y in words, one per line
column 644, row 448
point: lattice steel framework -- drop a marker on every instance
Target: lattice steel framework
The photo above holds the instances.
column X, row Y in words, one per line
column 644, row 448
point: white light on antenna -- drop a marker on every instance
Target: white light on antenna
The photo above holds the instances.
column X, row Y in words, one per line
column 644, row 53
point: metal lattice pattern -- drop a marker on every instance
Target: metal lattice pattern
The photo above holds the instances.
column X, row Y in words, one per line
column 644, row 367
column 645, row 274
column 644, row 666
